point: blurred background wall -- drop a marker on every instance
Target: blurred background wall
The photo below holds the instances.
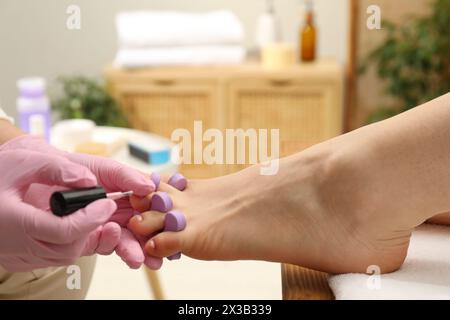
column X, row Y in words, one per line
column 35, row 40
column 399, row 12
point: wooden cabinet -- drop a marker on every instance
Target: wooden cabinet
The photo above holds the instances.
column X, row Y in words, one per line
column 303, row 102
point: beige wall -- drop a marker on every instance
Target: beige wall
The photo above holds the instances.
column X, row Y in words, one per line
column 34, row 39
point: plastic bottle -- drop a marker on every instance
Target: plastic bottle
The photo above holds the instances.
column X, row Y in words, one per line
column 268, row 28
column 33, row 107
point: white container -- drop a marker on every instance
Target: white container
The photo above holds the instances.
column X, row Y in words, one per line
column 70, row 133
column 268, row 29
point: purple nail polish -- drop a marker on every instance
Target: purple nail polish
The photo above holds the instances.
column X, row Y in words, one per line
column 156, row 178
column 178, row 181
column 174, row 221
column 161, row 202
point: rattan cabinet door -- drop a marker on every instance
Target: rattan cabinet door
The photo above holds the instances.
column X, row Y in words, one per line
column 305, row 113
column 161, row 106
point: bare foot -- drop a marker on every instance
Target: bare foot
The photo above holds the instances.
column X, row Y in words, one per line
column 318, row 212
column 340, row 206
column 442, row 218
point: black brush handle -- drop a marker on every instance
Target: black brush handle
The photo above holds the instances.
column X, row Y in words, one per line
column 64, row 203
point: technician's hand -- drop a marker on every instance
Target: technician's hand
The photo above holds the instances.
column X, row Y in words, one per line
column 31, row 238
column 113, row 177
column 116, row 177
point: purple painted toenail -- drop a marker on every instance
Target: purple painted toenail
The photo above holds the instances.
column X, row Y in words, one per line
column 175, row 221
column 161, row 202
column 156, row 178
column 178, row 181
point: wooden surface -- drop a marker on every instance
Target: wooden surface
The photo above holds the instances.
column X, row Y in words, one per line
column 155, row 284
column 304, row 284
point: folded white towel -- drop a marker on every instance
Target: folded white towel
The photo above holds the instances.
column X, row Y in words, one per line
column 138, row 29
column 424, row 275
column 207, row 55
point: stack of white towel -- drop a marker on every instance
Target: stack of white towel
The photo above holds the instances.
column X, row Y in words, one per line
column 161, row 38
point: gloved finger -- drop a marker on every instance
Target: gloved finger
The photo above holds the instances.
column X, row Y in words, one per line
column 92, row 242
column 153, row 263
column 122, row 216
column 50, row 170
column 117, row 177
column 109, row 238
column 46, row 227
column 62, row 252
column 130, row 250
column 38, row 195
column 103, row 240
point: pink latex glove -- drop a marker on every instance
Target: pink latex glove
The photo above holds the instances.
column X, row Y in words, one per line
column 31, row 238
column 103, row 240
column 113, row 177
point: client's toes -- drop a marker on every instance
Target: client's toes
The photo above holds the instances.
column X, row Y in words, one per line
column 165, row 187
column 164, row 244
column 147, row 223
column 141, row 204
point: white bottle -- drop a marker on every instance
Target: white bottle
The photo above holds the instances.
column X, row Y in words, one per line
column 268, row 28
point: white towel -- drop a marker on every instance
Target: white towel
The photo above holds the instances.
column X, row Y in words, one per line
column 177, row 56
column 3, row 115
column 424, row 275
column 138, row 29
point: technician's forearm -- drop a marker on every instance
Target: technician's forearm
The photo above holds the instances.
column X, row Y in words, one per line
column 8, row 131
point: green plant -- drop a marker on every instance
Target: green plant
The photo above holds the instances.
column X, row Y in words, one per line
column 414, row 60
column 86, row 98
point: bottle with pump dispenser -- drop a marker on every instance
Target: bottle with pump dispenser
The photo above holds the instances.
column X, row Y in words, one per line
column 33, row 107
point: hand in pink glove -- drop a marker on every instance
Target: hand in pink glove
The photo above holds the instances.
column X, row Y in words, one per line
column 103, row 240
column 113, row 177
column 116, row 177
column 31, row 238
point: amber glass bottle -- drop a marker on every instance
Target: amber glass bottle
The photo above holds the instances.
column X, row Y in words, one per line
column 308, row 38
